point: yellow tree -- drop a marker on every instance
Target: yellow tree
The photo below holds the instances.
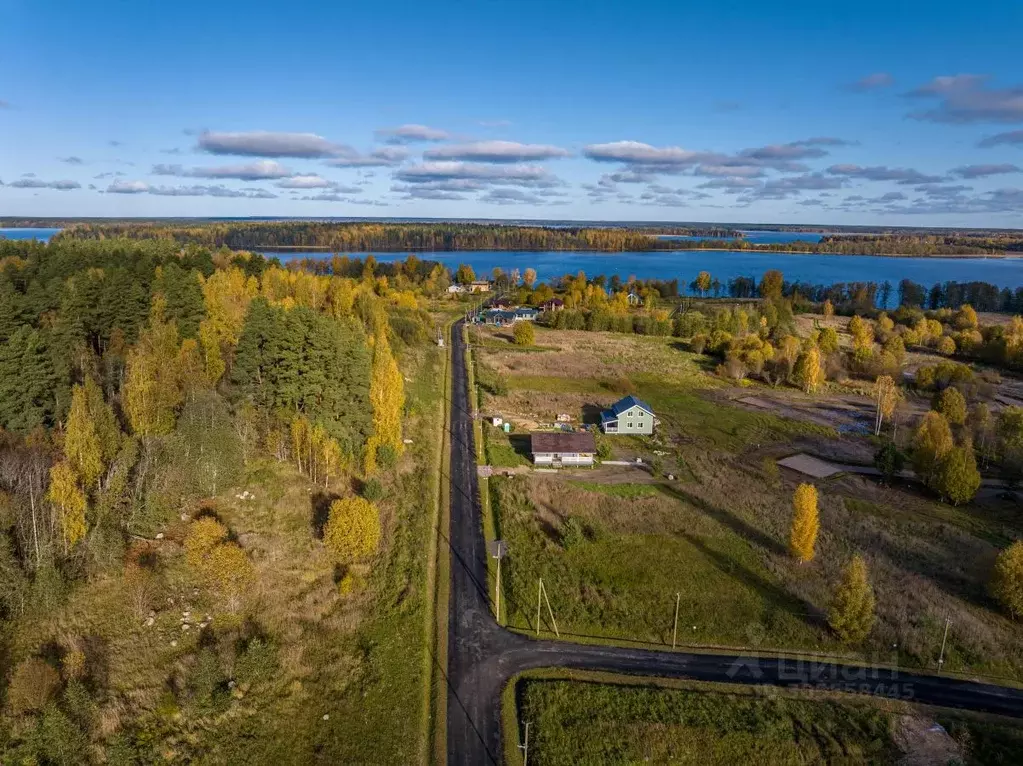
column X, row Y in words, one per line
column 81, row 442
column 886, row 396
column 151, row 392
column 105, row 422
column 524, row 334
column 352, row 530
column 933, row 440
column 69, row 500
column 809, row 372
column 1007, row 579
column 805, row 523
column 529, row 277
column 386, row 394
column 829, row 309
column 703, row 282
column 851, row 615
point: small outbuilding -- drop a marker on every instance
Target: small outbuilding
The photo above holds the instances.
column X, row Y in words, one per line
column 628, row 416
column 562, row 449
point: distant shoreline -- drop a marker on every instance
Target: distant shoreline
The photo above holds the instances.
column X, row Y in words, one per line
column 298, row 249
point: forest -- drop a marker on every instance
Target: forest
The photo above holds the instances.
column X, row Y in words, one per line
column 138, row 381
column 395, row 237
column 454, row 236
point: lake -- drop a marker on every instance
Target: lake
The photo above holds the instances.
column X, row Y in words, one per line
column 43, row 235
column 686, row 264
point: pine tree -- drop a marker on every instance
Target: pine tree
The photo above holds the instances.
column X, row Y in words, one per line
column 852, row 610
column 1007, row 579
column 82, row 446
column 805, row 523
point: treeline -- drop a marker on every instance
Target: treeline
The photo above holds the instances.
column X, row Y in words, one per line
column 881, row 244
column 386, row 237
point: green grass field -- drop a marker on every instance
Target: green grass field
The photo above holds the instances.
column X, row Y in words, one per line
column 575, row 722
column 612, row 569
column 598, row 718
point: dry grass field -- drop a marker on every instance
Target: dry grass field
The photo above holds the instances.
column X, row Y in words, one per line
column 613, row 558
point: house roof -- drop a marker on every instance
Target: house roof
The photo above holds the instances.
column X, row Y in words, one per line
column 523, row 310
column 622, row 405
column 562, row 441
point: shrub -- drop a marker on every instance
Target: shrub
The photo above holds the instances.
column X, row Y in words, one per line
column 352, row 529
column 1007, row 579
column 33, row 684
column 572, row 533
column 889, row 460
column 946, row 346
column 257, row 663
column 372, row 490
column 603, row 449
column 524, row 334
column 387, row 456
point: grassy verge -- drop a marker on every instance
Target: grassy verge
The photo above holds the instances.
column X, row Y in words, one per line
column 585, row 717
column 439, row 586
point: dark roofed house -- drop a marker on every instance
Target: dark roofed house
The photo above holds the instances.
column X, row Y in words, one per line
column 554, row 304
column 562, row 448
column 628, row 416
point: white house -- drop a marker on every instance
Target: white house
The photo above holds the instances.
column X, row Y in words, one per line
column 628, row 416
column 562, row 448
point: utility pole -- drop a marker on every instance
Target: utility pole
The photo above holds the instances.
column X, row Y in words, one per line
column 499, row 549
column 674, row 632
column 525, row 747
column 941, row 657
column 541, row 592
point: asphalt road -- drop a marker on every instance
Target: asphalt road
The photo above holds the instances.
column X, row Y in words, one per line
column 482, row 656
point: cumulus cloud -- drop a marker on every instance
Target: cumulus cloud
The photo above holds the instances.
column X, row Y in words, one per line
column 982, row 171
column 314, row 181
column 967, row 98
column 128, row 187
column 732, row 184
column 1012, row 137
column 906, row 176
column 496, row 151
column 254, row 171
column 29, row 181
column 378, row 158
column 434, row 194
column 266, row 144
column 782, row 188
column 71, row 160
column 109, row 174
column 410, row 134
column 874, row 81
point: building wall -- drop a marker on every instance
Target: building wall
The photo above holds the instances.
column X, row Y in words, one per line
column 635, row 420
column 547, row 458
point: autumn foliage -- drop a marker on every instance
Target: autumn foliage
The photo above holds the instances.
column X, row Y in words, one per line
column 352, row 530
column 805, row 523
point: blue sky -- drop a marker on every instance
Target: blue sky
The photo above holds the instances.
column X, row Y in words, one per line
column 797, row 112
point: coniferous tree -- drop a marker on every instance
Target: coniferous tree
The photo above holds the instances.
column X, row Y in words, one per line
column 851, row 615
column 27, row 381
